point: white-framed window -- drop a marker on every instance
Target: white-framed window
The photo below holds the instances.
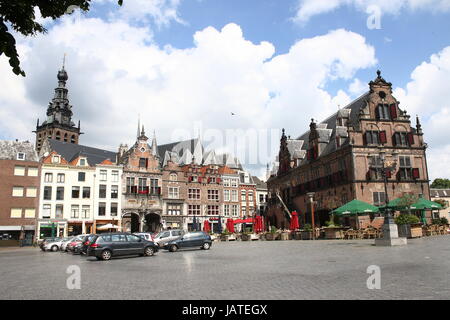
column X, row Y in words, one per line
column 16, row 212
column 20, row 156
column 30, row 213
column 61, row 178
column 226, row 210
column 226, row 182
column 46, row 211
column 55, row 159
column 75, row 211
column 243, row 196
column 250, row 196
column 48, row 177
column 33, row 171
column 59, row 211
column 194, row 194
column 115, row 176
column 17, row 192
column 234, row 195
column 213, row 210
column 234, row 210
column 114, row 209
column 213, row 194
column 234, row 182
column 19, row 171
column 173, row 209
column 226, row 195
column 31, row 192
column 82, row 162
column 85, row 212
column 243, row 210
column 103, row 175
column 194, row 209
column 173, row 193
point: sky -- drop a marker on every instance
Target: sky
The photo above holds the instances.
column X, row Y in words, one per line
column 233, row 73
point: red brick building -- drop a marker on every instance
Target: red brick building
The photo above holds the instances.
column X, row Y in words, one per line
column 19, row 192
column 339, row 158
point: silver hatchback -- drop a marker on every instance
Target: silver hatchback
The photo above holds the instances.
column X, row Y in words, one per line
column 166, row 236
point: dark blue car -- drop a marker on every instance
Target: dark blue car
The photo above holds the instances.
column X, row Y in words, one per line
column 199, row 239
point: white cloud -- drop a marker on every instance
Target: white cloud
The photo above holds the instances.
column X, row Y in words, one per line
column 428, row 95
column 357, row 88
column 114, row 78
column 309, row 8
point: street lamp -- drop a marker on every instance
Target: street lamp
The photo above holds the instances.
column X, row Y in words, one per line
column 390, row 230
column 311, row 200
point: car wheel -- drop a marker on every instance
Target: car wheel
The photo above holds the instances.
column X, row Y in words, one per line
column 149, row 251
column 206, row 246
column 54, row 248
column 173, row 248
column 106, row 255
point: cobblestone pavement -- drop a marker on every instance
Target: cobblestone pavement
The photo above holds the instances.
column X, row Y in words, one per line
column 239, row 270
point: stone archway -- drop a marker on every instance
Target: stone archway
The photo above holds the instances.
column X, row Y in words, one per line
column 152, row 222
column 131, row 222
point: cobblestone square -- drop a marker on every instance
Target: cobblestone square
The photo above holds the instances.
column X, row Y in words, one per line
column 238, row 270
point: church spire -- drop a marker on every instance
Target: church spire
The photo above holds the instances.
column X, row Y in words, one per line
column 154, row 145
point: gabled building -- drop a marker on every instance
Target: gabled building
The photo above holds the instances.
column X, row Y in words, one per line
column 19, row 192
column 339, row 158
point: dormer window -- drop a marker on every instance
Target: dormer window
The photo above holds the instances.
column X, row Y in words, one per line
column 82, row 162
column 55, row 159
column 21, row 156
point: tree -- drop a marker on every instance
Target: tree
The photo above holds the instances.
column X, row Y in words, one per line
column 19, row 14
column 440, row 183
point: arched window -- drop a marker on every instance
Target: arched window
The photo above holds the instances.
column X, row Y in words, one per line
column 173, row 177
column 58, row 135
column 65, row 137
column 72, row 139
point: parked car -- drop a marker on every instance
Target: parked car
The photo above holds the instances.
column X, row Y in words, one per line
column 167, row 236
column 199, row 239
column 44, row 242
column 54, row 245
column 73, row 242
column 145, row 235
column 108, row 245
column 85, row 243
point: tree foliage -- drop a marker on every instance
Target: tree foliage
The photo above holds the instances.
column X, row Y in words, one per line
column 440, row 183
column 20, row 16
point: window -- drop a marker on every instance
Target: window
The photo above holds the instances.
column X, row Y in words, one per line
column 60, row 193
column 55, row 159
column 194, row 209
column 61, row 178
column 115, row 176
column 401, row 139
column 382, row 112
column 19, row 171
column 101, row 208
column 243, row 195
column 82, row 162
column 405, row 170
column 379, row 198
column 17, row 192
column 16, row 213
column 173, row 193
column 30, row 213
column 118, row 238
column 261, row 198
column 213, row 194
column 244, row 211
column 46, row 211
column 114, row 209
column 234, row 182
column 31, row 192
column 372, row 137
column 173, row 209
column 102, row 191
column 21, row 156
column 226, row 182
column 114, row 192
column 154, row 189
column 48, row 177
column 234, row 195
column 173, row 177
column 33, row 171
column 59, row 211
column 131, row 188
column 226, row 209
column 133, row 238
column 85, row 212
column 103, row 175
column 75, row 192
column 226, row 195
column 250, row 196
column 142, row 186
column 234, row 210
column 75, row 211
column 81, row 176
column 213, row 210
column 86, row 192
column 143, row 163
column 375, row 164
column 194, row 194
column 47, row 193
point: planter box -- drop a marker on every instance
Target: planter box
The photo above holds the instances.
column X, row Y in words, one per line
column 284, row 236
column 306, row 235
column 410, row 231
column 333, row 233
column 271, row 236
column 296, row 235
column 232, row 237
column 245, row 237
column 224, row 237
column 254, row 237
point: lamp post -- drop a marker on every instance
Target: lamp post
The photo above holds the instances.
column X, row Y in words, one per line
column 390, row 230
column 311, row 200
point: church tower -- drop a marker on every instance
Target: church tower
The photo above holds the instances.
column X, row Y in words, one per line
column 58, row 125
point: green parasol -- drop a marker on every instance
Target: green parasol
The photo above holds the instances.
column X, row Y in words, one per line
column 355, row 207
column 424, row 204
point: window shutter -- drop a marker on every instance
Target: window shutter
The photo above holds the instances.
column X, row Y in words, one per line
column 410, row 138
column 199, row 179
column 415, row 173
column 218, row 180
column 393, row 110
column 383, row 138
column 209, row 180
column 190, row 178
column 388, row 173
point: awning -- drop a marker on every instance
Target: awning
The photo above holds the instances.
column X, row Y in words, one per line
column 10, row 228
column 30, row 227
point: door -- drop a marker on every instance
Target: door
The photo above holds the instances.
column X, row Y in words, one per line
column 119, row 244
column 135, row 244
column 188, row 241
